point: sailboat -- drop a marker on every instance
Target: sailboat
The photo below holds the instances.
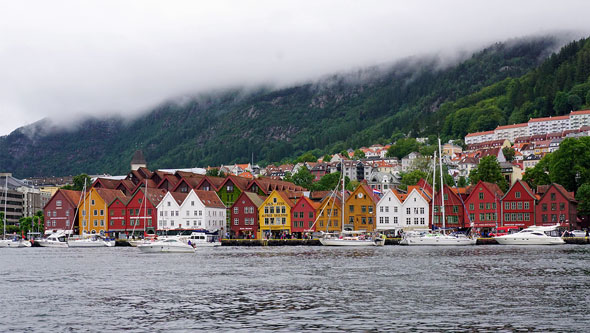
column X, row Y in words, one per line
column 348, row 238
column 438, row 237
column 14, row 241
column 88, row 240
column 136, row 242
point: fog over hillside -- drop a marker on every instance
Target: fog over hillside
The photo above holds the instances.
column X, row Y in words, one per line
column 66, row 59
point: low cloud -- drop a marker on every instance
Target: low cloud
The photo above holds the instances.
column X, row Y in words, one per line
column 67, row 59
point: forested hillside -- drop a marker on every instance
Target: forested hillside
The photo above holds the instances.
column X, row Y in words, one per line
column 556, row 87
column 336, row 113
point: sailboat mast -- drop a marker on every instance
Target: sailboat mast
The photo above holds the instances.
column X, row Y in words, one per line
column 5, row 199
column 342, row 212
column 145, row 206
column 442, row 185
column 433, row 184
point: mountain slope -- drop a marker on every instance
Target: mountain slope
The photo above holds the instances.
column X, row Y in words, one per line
column 336, row 113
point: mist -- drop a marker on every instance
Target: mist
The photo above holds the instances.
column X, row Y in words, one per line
column 65, row 60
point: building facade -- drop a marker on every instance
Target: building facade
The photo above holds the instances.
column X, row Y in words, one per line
column 518, row 206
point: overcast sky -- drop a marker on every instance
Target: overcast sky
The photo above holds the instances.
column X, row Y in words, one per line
column 63, row 59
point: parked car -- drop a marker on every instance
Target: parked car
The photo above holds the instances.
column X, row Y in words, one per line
column 578, row 233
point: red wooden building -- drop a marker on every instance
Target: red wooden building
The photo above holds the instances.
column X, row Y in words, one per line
column 483, row 205
column 557, row 205
column 518, row 206
column 303, row 215
column 244, row 215
column 118, row 218
column 60, row 211
column 454, row 210
column 141, row 213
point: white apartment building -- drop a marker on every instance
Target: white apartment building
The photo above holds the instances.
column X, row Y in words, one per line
column 403, row 212
column 579, row 119
column 549, row 125
column 512, row 132
column 479, row 137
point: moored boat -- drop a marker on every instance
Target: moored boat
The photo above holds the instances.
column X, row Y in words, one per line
column 56, row 239
column 92, row 240
column 201, row 239
column 533, row 235
column 14, row 242
column 169, row 245
column 352, row 238
column 436, row 238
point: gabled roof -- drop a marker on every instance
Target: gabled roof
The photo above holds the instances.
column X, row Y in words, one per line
column 105, row 183
column 524, row 185
column 72, row 197
column 268, row 185
column 215, row 182
column 312, row 204
column 255, row 198
column 424, row 193
column 110, row 195
column 171, row 179
column 154, row 196
column 209, row 199
column 239, row 182
column 492, row 188
column 138, row 158
column 192, row 181
column 285, row 197
column 178, row 197
column 569, row 196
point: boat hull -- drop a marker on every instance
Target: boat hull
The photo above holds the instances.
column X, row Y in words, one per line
column 438, row 241
column 8, row 243
column 349, row 242
column 83, row 244
column 45, row 243
column 503, row 240
column 164, row 249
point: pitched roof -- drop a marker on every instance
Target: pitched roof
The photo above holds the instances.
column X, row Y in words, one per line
column 512, row 126
column 568, row 195
column 534, row 120
column 255, row 198
column 72, row 196
column 138, row 158
column 178, row 197
column 239, row 182
column 110, row 195
column 315, row 205
column 106, row 183
column 285, row 196
column 209, row 199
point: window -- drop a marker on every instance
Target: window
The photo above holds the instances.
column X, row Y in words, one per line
column 455, row 209
column 471, row 206
column 284, row 210
column 481, row 217
column 95, row 212
column 351, row 208
column 370, row 220
column 552, row 196
column 381, row 219
column 363, row 209
column 395, row 209
column 487, row 205
column 370, row 209
column 92, row 202
column 416, row 221
column 230, row 188
column 236, row 221
column 364, row 220
column 310, row 215
column 422, row 221
column 519, row 205
column 58, row 203
column 96, row 223
column 381, row 209
column 481, row 205
column 506, row 205
column 517, row 195
column 446, row 196
column 506, row 217
column 526, row 205
column 408, row 221
column 553, row 206
column 561, row 206
column 386, row 219
column 236, row 210
column 395, row 219
column 102, row 223
column 408, row 211
column 421, row 210
column 480, row 196
column 265, row 209
column 527, row 216
column 472, row 217
column 513, row 205
column 544, row 217
column 387, row 209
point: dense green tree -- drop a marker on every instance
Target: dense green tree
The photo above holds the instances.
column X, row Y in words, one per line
column 538, row 175
column 328, row 182
column 508, row 153
column 359, row 154
column 303, row 178
column 560, row 103
column 403, row 147
column 79, row 182
column 307, row 157
column 488, row 170
column 215, row 173
column 411, row 178
column 583, row 197
column 462, row 182
column 570, row 164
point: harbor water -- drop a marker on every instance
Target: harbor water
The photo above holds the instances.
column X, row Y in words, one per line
column 299, row 288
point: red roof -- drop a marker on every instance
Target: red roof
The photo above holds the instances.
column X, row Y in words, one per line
column 480, row 133
column 573, row 113
column 534, row 120
column 72, row 196
column 209, row 199
column 512, row 126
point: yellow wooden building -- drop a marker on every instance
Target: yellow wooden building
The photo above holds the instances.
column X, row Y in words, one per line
column 330, row 214
column 93, row 216
column 359, row 209
column 274, row 215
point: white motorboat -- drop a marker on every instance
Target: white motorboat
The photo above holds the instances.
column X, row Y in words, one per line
column 169, row 245
column 15, row 242
column 533, row 235
column 91, row 241
column 201, row 239
column 56, row 239
column 352, row 238
column 436, row 238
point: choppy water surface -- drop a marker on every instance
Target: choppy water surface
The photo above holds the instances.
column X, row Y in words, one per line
column 480, row 288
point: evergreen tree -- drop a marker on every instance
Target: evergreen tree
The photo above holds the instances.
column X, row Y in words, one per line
column 488, row 170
